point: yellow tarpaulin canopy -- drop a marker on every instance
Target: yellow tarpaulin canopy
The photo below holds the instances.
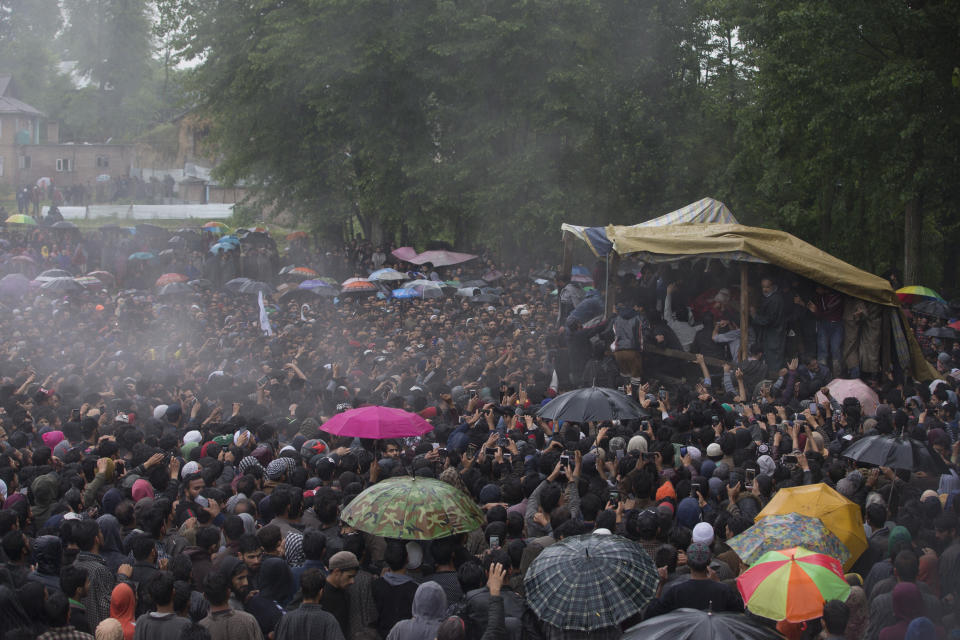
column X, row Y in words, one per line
column 778, row 248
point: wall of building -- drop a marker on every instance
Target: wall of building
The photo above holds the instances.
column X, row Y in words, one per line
column 67, row 164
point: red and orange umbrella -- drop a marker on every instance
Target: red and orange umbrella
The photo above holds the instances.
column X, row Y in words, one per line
column 167, row 278
column 358, row 285
column 792, row 584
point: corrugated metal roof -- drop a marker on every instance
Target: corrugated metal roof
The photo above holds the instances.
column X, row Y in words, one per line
column 12, row 105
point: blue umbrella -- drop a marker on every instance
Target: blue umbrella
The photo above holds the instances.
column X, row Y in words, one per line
column 406, row 293
column 229, row 239
column 221, row 247
column 141, row 255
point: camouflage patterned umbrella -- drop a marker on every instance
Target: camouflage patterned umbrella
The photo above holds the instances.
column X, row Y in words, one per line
column 413, row 509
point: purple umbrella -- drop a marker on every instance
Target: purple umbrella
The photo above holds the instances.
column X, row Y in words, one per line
column 14, row 285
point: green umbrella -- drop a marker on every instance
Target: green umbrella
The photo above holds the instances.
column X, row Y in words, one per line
column 413, row 509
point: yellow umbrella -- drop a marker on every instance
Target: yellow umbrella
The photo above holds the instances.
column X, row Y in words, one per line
column 839, row 515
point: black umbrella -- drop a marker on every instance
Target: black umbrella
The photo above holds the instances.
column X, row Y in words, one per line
column 62, row 285
column 254, row 287
column 895, row 452
column 592, row 404
column 236, row 283
column 176, row 289
column 300, row 295
column 201, row 284
column 487, row 298
column 935, row 308
column 694, row 624
column 63, row 224
column 941, row 332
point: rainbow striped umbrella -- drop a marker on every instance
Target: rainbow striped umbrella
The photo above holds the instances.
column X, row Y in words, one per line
column 909, row 295
column 792, row 584
column 215, row 227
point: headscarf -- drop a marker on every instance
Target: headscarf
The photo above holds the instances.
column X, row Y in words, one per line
column 141, row 489
column 112, row 549
column 109, row 629
column 249, row 524
column 859, row 614
column 123, row 607
column 52, row 439
column 452, row 477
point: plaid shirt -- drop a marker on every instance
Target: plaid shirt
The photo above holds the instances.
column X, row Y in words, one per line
column 65, row 633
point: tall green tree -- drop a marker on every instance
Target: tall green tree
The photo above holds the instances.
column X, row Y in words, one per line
column 855, row 125
column 467, row 120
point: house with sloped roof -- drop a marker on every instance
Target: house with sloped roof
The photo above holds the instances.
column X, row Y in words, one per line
column 30, row 149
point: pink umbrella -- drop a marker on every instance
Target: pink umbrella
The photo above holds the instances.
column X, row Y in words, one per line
column 841, row 388
column 442, row 258
column 404, row 253
column 377, row 423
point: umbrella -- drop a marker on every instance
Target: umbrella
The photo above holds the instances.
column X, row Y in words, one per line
column 63, row 224
column 19, row 218
column 941, row 332
column 221, row 247
column 201, row 283
column 787, row 530
column 840, row 516
column 442, row 258
column 23, row 260
column 492, row 276
column 412, row 508
column 386, row 274
column 167, row 278
column 358, row 285
column 792, row 584
column 841, row 388
column 306, row 272
column 315, row 284
column 325, row 292
column 141, row 255
column 296, row 235
column 176, row 289
column 694, row 624
column 592, row 404
column 103, row 177
column 910, row 295
column 61, row 285
column 298, row 295
column 14, row 285
column 895, row 452
column 486, row 298
column 953, row 325
column 935, row 308
column 105, row 277
column 49, row 274
column 89, row 282
column 377, row 423
column 216, row 226
column 591, row 582
column 468, row 292
column 236, row 283
column 234, row 240
column 254, row 287
column 402, row 294
column 44, row 182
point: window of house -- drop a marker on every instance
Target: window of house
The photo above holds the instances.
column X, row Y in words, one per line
column 103, row 161
column 24, row 162
column 64, row 164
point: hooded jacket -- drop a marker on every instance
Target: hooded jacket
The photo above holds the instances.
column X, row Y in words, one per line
column 628, row 330
column 429, row 608
column 44, row 489
column 47, row 550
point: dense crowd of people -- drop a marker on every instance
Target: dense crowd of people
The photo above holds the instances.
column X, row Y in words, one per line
column 164, row 471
